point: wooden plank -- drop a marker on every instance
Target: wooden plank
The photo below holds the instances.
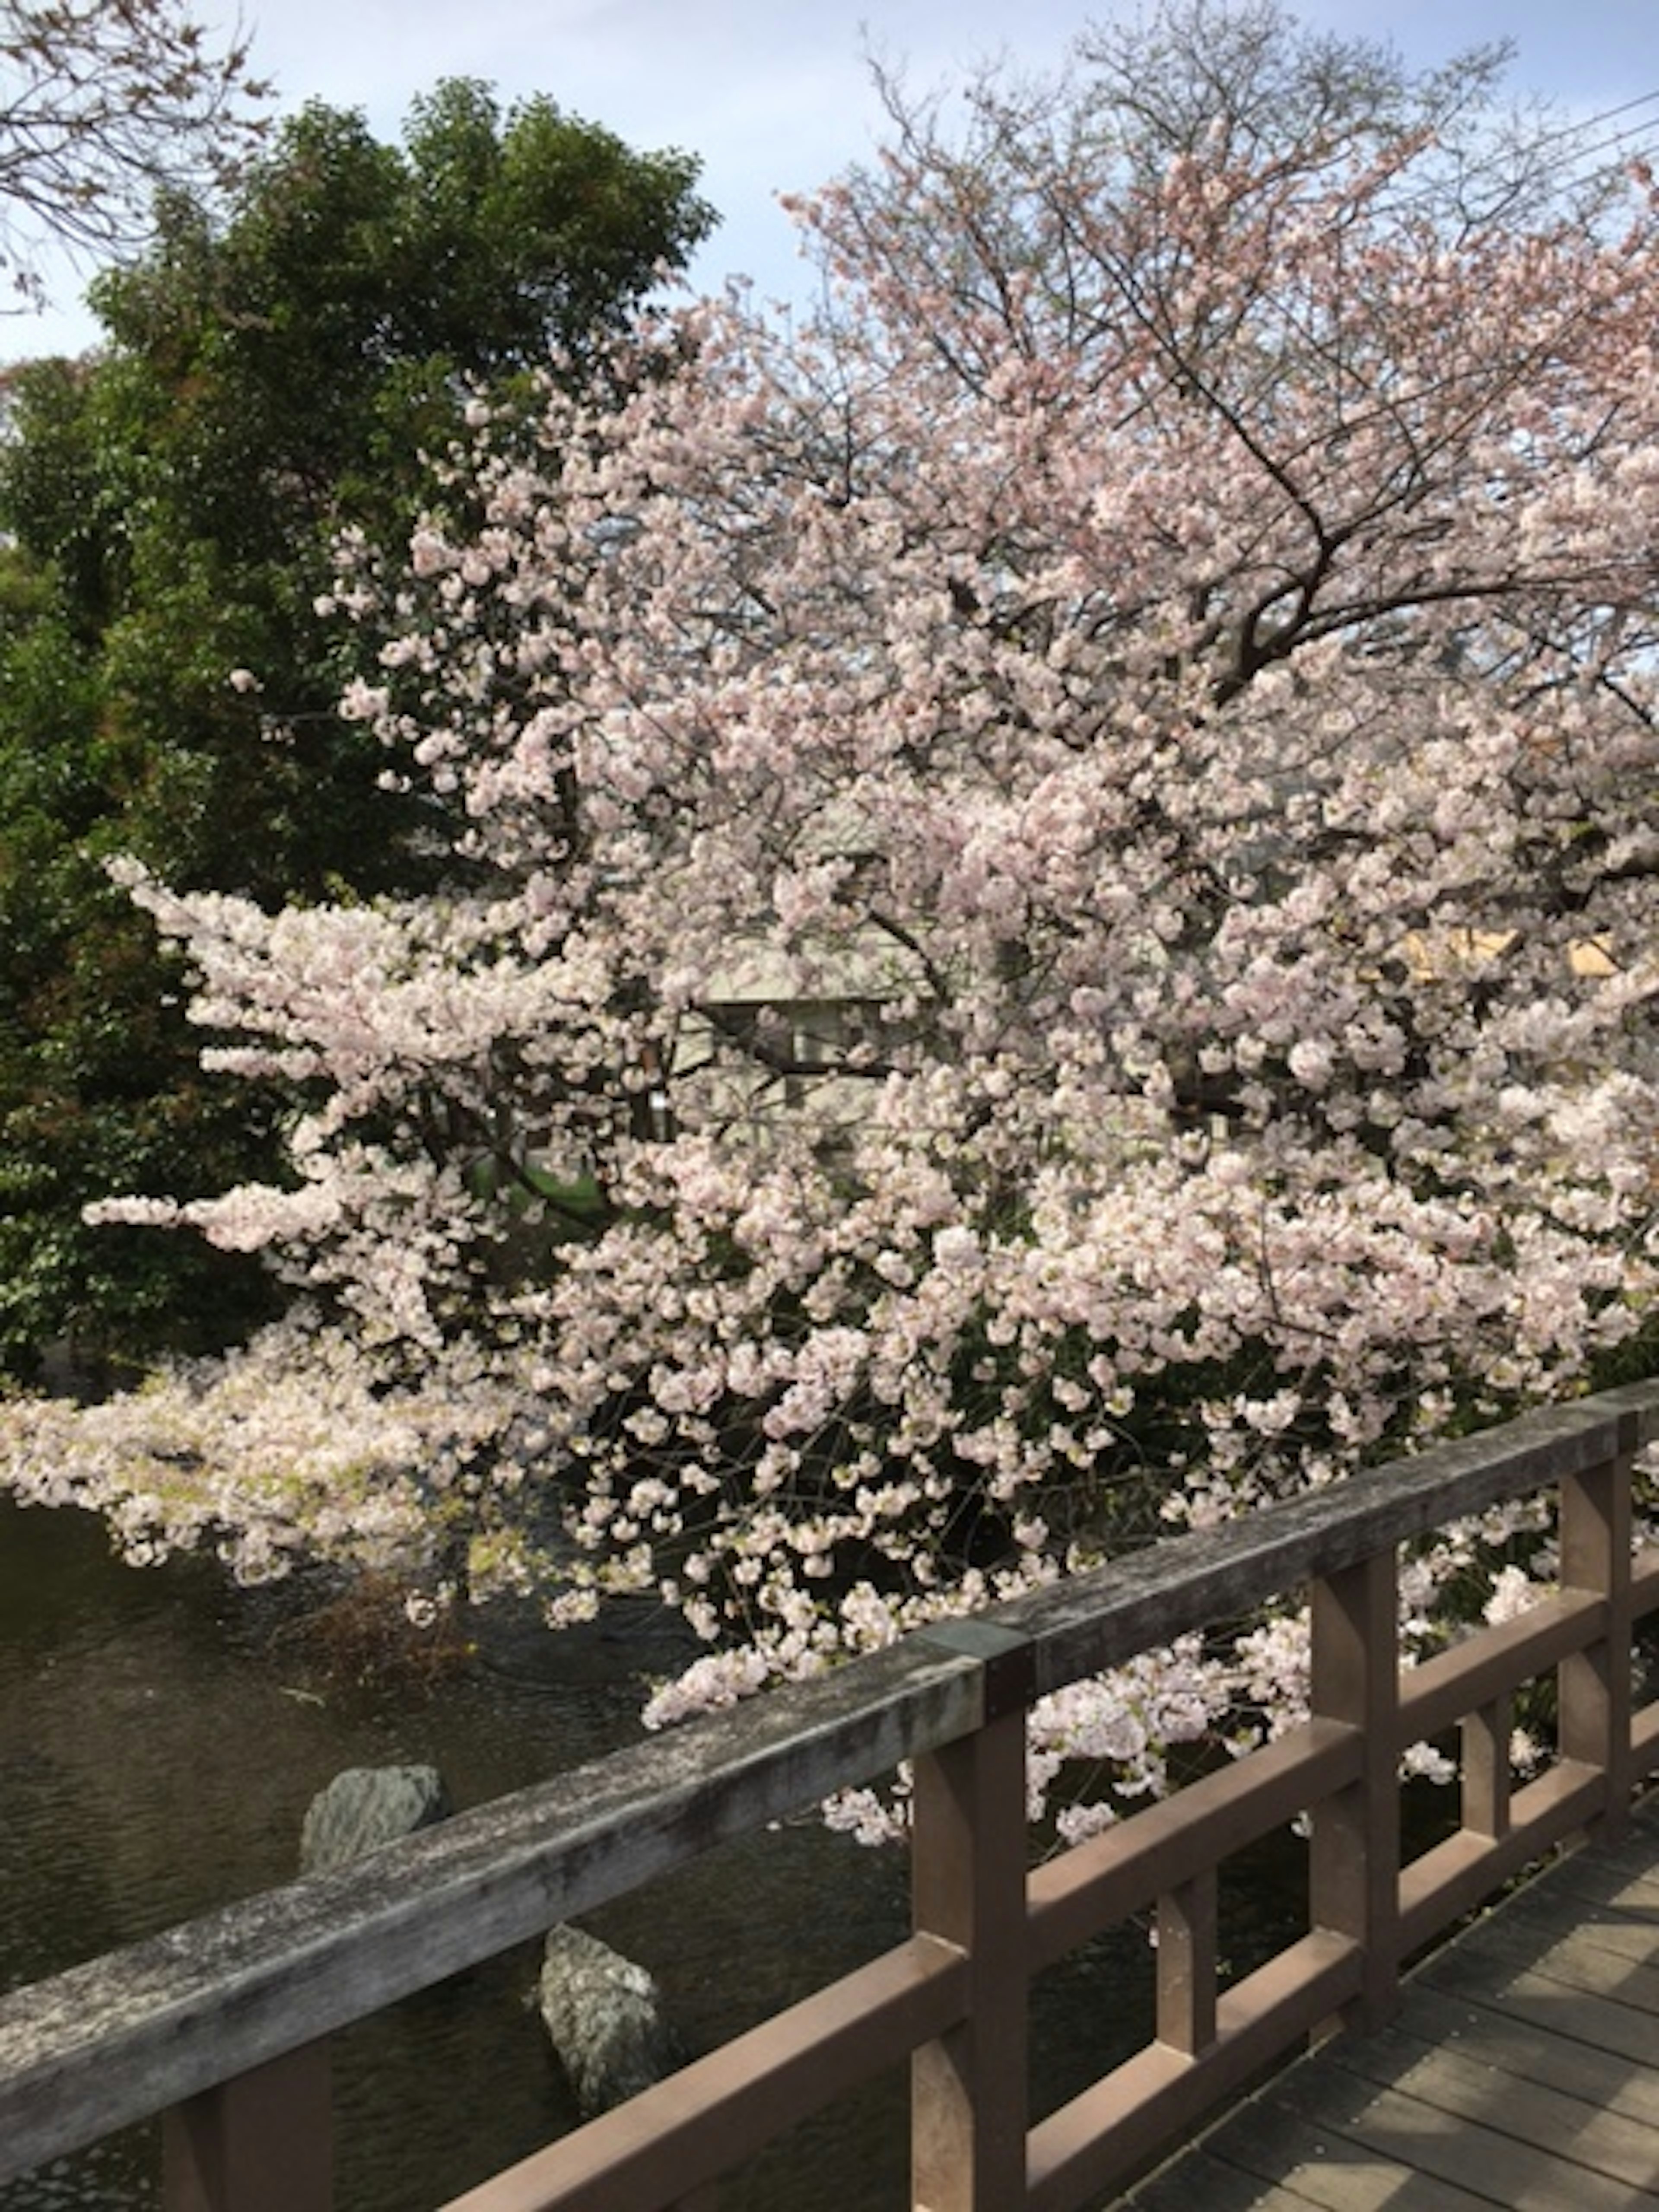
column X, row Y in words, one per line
column 1278, row 2151
column 1522, row 2070
column 1622, row 1900
column 1547, row 2006
column 1624, row 1876
column 1612, row 2144
column 1202, row 2184
column 1452, row 2147
column 1573, row 1962
column 1561, row 1917
column 1609, row 1868
column 1494, row 2039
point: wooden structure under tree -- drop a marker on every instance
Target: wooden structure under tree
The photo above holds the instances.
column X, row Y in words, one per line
column 1521, row 2070
column 222, row 2025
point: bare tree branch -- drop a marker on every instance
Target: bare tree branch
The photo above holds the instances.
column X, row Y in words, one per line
column 103, row 104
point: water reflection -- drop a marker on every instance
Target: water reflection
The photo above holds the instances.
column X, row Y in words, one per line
column 157, row 1753
column 156, row 1757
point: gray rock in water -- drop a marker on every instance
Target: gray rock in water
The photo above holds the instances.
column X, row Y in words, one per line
column 604, row 2015
column 365, row 1807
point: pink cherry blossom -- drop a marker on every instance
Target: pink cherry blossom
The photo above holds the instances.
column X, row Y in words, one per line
column 1054, row 934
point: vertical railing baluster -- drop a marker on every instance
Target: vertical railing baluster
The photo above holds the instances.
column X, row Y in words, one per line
column 969, row 2091
column 1594, row 1686
column 1187, row 1965
column 1354, row 1867
column 1485, row 1763
column 260, row 2143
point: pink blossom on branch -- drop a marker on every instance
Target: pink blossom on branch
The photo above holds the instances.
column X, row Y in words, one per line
column 1053, row 928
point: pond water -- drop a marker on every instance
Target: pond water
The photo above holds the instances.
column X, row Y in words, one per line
column 159, row 1744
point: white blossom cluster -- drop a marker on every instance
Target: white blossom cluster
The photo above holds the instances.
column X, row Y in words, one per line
column 1057, row 939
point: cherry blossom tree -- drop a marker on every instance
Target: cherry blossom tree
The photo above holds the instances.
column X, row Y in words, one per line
column 1054, row 934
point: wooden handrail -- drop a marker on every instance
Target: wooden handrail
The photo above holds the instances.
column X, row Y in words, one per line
column 193, row 2022
column 1124, row 1869
column 722, row 2108
column 124, row 2036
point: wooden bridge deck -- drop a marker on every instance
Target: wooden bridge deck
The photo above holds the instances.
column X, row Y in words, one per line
column 1521, row 2070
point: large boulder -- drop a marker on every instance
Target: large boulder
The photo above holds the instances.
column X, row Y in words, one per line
column 366, row 1806
column 604, row 2015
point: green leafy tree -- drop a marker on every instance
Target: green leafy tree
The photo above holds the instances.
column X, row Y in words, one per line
column 169, row 684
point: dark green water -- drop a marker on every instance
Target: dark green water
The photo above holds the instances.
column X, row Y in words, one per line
column 158, row 1748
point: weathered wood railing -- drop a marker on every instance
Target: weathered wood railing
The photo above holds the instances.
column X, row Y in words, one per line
column 222, row 2025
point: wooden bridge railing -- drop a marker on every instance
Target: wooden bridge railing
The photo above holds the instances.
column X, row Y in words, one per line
column 221, row 2024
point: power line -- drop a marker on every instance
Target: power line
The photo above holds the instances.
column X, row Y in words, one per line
column 1526, row 172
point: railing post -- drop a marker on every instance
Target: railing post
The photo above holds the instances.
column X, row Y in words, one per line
column 1485, row 1762
column 260, row 2143
column 1354, row 1870
column 968, row 1870
column 1594, row 1686
column 1187, row 1965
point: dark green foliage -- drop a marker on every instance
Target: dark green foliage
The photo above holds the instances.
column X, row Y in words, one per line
column 271, row 374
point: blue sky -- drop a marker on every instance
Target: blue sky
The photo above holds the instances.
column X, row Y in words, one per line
column 775, row 97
